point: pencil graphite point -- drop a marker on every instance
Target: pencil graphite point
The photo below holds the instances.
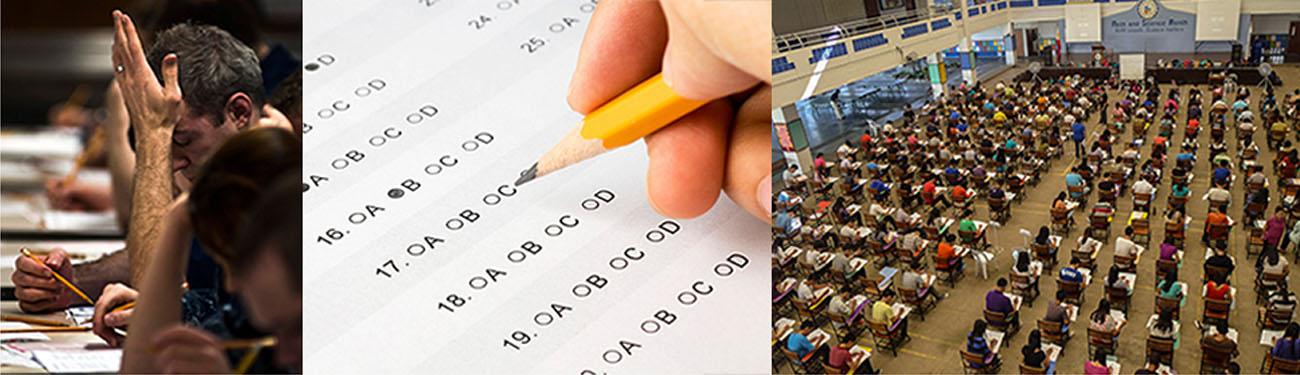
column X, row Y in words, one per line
column 527, row 175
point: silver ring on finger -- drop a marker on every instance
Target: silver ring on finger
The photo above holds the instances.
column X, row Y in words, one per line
column 120, row 69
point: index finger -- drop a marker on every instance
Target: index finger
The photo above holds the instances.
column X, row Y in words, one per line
column 140, row 66
column 32, row 266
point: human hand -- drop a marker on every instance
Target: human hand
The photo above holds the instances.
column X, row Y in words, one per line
column 78, row 196
column 189, row 350
column 721, row 146
column 105, row 320
column 35, row 286
column 274, row 118
column 152, row 107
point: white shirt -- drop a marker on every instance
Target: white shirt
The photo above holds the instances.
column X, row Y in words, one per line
column 1143, row 187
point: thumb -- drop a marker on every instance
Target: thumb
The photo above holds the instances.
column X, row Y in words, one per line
column 171, row 77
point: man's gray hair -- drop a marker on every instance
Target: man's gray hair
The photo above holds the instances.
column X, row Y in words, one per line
column 213, row 66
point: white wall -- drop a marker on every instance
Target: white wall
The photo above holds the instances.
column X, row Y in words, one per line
column 1273, row 23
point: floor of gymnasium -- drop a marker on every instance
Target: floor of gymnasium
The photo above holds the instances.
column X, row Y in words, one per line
column 936, row 341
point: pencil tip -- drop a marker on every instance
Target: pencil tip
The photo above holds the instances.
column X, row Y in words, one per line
column 527, row 175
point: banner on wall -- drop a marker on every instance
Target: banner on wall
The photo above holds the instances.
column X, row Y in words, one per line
column 1149, row 27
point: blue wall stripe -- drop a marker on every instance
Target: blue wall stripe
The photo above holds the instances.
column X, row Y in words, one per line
column 870, row 41
column 958, row 14
column 912, row 31
column 828, row 52
column 940, row 24
column 781, row 64
column 1022, row 3
column 1051, row 2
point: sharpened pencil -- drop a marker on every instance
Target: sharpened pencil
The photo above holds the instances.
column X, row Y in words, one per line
column 632, row 115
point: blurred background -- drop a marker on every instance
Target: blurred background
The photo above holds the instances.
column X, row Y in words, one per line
column 50, row 50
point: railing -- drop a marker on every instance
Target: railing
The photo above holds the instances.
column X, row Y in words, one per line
column 820, row 35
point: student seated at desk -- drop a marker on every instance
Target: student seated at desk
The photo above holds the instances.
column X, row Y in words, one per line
column 1217, row 337
column 916, row 279
column 1022, row 268
column 1034, row 354
column 228, row 197
column 798, row 342
column 1058, row 312
column 1071, row 272
column 841, row 357
column 996, row 300
column 840, row 306
column 1218, row 289
column 1114, row 281
column 1097, row 366
column 1059, row 202
column 1169, row 287
column 1102, row 320
column 1142, row 186
column 882, row 312
column 1179, row 190
column 1274, row 228
column 1169, row 252
column 1220, row 259
column 1280, row 299
column 1270, row 262
column 1125, row 247
column 978, row 345
column 1162, row 325
column 806, row 291
column 946, row 255
column 1288, row 346
column 1103, row 209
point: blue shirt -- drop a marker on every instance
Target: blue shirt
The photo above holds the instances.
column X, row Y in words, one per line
column 784, row 221
column 1072, row 275
column 798, row 344
column 1185, row 156
column 1221, row 174
column 879, row 186
column 1074, row 179
column 1287, row 349
column 1079, row 131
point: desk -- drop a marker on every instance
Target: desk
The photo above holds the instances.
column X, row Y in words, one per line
column 63, row 339
column 1199, row 76
column 1049, row 73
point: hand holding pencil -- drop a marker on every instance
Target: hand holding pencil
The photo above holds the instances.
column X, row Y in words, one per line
column 722, row 145
column 37, row 285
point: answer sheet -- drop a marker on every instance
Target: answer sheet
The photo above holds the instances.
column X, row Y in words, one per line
column 422, row 256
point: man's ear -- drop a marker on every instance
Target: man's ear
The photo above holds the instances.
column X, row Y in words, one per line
column 240, row 110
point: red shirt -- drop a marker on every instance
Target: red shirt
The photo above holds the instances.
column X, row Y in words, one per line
column 839, row 357
column 945, row 253
column 959, row 194
column 1217, row 291
column 865, row 140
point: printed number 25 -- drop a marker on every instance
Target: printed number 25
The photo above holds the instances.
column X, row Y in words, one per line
column 533, row 44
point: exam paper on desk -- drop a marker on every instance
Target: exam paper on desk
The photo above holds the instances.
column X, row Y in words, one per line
column 432, row 261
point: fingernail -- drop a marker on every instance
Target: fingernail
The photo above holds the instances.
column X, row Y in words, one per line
column 764, row 194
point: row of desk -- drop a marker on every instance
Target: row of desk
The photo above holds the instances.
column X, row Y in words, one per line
column 1198, row 76
column 29, row 158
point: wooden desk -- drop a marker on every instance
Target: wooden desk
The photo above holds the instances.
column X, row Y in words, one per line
column 8, row 308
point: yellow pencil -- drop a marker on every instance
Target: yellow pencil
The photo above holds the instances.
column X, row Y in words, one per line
column 34, row 320
column 255, row 346
column 58, row 276
column 46, row 329
column 123, row 307
column 632, row 115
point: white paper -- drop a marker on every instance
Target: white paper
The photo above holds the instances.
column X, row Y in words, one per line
column 485, row 81
column 20, row 336
column 79, row 360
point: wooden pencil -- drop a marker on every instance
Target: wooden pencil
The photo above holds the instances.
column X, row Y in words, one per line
column 46, row 329
column 58, row 276
column 34, row 320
